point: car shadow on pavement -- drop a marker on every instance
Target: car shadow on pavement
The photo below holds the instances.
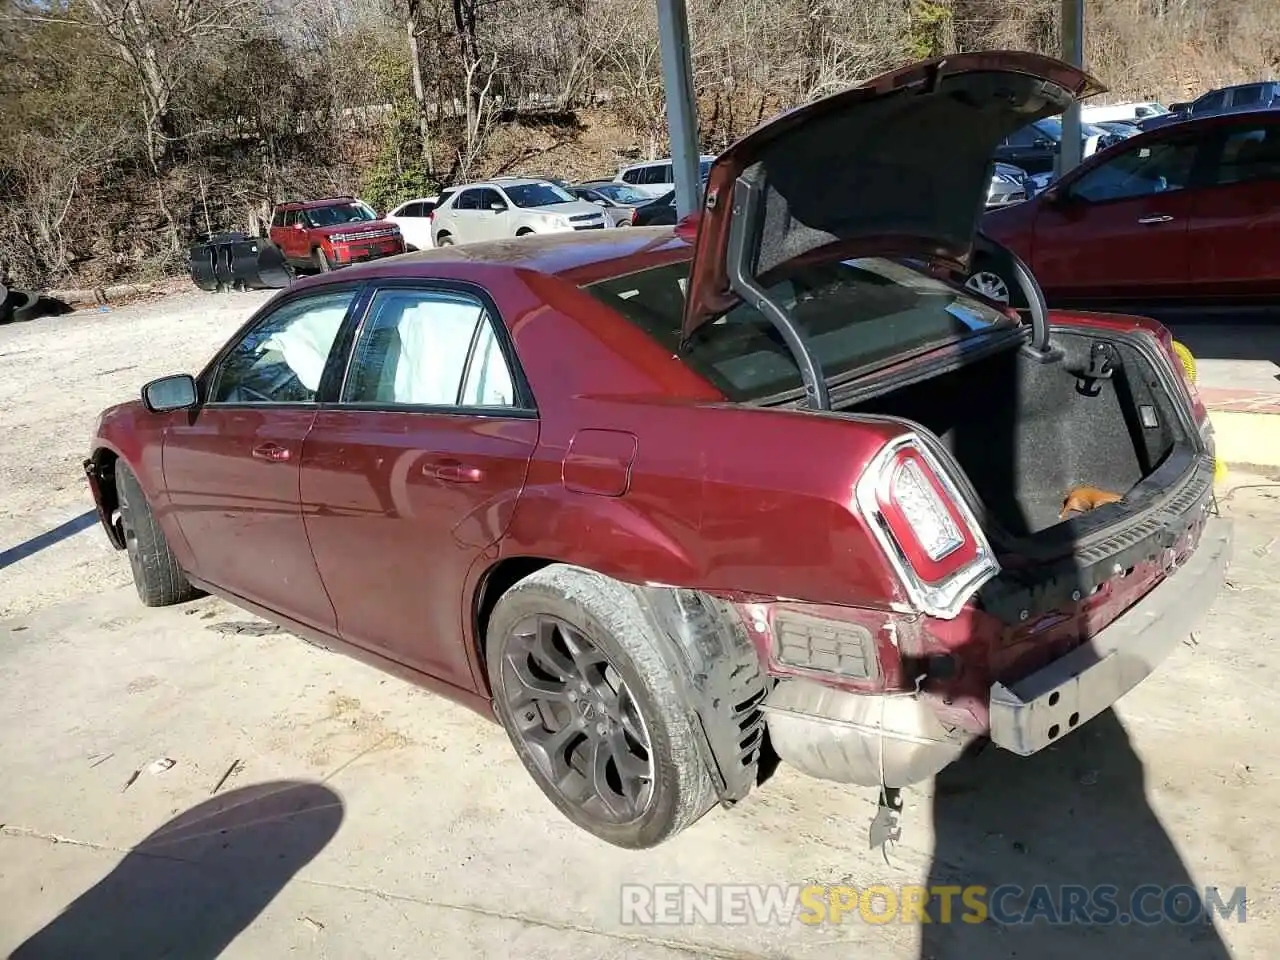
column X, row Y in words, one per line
column 193, row 885
column 47, row 539
column 1075, row 816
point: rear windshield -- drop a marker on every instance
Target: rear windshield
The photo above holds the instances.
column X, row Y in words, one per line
column 853, row 315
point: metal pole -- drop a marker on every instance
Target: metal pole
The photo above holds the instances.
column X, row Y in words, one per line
column 1069, row 155
column 682, row 107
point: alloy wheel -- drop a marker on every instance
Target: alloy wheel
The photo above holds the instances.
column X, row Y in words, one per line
column 990, row 285
column 578, row 719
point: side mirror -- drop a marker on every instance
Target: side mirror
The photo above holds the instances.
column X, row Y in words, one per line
column 497, row 207
column 600, row 203
column 178, row 392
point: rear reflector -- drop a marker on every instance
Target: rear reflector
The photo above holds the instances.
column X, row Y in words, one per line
column 926, row 530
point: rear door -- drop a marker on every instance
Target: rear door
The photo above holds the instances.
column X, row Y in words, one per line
column 413, row 476
column 1120, row 229
column 1235, row 216
column 232, row 468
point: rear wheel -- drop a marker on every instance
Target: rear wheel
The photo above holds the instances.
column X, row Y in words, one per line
column 444, row 240
column 996, row 282
column 321, row 260
column 592, row 708
column 156, row 573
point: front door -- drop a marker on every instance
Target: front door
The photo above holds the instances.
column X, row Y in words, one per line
column 409, row 479
column 1119, row 230
column 232, row 468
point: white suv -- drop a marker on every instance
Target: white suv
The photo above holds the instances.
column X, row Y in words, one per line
column 654, row 177
column 510, row 207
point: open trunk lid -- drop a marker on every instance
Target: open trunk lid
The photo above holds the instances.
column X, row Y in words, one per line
column 898, row 167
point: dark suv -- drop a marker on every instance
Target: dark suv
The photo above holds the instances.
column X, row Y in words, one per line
column 1241, row 97
column 323, row 234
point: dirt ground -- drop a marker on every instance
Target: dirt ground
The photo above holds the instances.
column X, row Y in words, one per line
column 317, row 806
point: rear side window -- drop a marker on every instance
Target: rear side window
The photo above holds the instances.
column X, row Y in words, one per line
column 1249, row 154
column 428, row 348
column 1247, row 96
column 277, row 220
column 469, row 200
column 855, row 316
column 633, row 175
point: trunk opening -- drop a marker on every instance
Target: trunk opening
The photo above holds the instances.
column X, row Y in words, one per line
column 1027, row 431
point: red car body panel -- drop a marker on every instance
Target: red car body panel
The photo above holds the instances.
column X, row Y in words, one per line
column 1219, row 241
column 398, row 508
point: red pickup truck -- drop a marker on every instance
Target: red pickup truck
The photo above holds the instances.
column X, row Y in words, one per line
column 324, row 234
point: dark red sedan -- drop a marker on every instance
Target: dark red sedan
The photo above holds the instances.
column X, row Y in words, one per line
column 1186, row 213
column 647, row 494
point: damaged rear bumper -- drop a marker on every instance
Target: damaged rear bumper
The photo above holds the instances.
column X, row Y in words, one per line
column 1040, row 709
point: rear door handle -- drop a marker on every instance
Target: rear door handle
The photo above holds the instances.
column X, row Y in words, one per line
column 1162, row 218
column 271, row 451
column 454, row 472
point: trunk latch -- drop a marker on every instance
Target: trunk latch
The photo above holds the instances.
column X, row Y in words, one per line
column 1102, row 366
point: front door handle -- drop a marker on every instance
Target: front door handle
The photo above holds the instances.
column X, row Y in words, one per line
column 271, row 451
column 1161, row 218
column 453, row 471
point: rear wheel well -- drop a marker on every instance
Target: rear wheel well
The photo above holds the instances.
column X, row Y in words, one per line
column 502, row 576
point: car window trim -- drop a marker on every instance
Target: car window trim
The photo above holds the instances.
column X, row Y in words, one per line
column 524, row 406
column 207, row 379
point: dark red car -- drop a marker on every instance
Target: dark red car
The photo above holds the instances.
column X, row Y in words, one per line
column 324, row 234
column 646, row 494
column 1188, row 213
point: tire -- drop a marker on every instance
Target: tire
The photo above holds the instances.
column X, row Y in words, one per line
column 444, row 240
column 563, row 606
column 156, row 573
column 321, row 260
column 997, row 283
column 22, row 306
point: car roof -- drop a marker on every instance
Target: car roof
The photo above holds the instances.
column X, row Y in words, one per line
column 578, row 258
column 311, row 204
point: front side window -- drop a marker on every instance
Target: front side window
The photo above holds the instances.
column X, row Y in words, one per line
column 538, row 195
column 281, row 359
column 428, row 348
column 854, row 315
column 338, row 213
column 1210, row 102
column 1143, row 171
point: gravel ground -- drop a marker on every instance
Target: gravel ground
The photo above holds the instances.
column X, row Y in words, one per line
column 56, row 375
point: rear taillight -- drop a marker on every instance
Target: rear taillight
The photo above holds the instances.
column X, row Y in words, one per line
column 925, row 528
column 1184, row 366
column 635, row 213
